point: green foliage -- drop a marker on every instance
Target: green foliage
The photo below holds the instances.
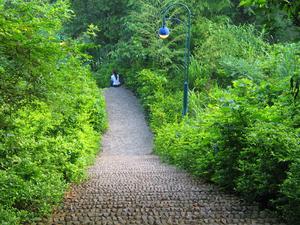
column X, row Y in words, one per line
column 238, row 58
column 241, row 144
column 107, row 15
column 290, row 205
column 280, row 19
column 149, row 83
column 166, row 108
column 187, row 145
column 51, row 111
column 265, row 160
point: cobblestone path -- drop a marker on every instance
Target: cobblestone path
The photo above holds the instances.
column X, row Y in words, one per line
column 129, row 185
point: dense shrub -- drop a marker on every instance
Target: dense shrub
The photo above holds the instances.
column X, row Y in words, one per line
column 148, row 84
column 270, row 149
column 51, row 111
column 187, row 145
column 290, row 204
column 241, row 144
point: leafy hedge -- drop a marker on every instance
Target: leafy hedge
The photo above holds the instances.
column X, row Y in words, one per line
column 241, row 147
column 51, row 111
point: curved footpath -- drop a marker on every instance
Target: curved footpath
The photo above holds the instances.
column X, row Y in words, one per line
column 129, row 185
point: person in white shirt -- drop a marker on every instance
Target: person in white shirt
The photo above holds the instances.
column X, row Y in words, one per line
column 115, row 79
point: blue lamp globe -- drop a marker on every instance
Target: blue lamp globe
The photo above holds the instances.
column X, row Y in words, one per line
column 164, row 32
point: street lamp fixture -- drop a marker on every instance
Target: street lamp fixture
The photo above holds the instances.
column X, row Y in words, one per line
column 164, row 32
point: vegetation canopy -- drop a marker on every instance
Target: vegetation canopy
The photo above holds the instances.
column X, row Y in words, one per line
column 51, row 112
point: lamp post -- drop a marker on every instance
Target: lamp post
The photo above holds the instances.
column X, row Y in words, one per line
column 164, row 32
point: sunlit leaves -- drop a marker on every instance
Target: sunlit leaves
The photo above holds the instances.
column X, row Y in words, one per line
column 50, row 110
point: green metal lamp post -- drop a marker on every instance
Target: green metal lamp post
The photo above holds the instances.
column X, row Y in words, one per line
column 164, row 33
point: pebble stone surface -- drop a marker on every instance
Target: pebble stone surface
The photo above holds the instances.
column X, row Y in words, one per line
column 129, row 185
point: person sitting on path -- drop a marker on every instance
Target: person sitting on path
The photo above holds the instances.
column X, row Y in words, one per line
column 115, row 79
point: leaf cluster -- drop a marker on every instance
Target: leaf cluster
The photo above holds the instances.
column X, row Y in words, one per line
column 51, row 112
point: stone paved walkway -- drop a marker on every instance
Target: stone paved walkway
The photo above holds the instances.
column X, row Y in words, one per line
column 129, row 185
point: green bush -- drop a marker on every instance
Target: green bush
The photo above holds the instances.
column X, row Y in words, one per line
column 289, row 205
column 238, row 58
column 266, row 159
column 166, row 109
column 161, row 106
column 241, row 143
column 51, row 111
column 148, row 84
column 187, row 145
